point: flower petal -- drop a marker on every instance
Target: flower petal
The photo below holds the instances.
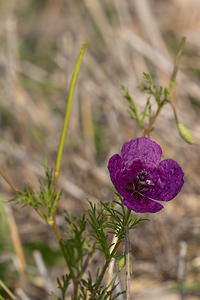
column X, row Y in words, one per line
column 118, row 174
column 144, row 149
column 168, row 180
column 121, row 176
column 142, row 205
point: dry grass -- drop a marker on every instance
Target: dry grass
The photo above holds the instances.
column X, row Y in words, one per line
column 40, row 42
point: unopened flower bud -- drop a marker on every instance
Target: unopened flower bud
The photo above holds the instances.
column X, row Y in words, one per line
column 185, row 133
column 121, row 263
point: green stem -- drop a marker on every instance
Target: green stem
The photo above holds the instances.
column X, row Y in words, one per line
column 127, row 255
column 58, row 164
column 57, row 233
column 112, row 253
column 66, row 121
column 112, row 281
column 87, row 261
column 41, row 215
column 174, row 111
column 171, row 84
column 176, row 62
column 149, row 128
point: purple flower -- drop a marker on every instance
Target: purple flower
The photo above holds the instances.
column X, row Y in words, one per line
column 141, row 178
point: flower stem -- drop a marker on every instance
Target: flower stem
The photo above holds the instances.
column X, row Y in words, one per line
column 112, row 281
column 58, row 236
column 127, row 254
column 149, row 128
column 52, row 223
column 174, row 111
column 42, row 216
column 176, row 62
column 171, row 84
column 66, row 121
column 112, row 253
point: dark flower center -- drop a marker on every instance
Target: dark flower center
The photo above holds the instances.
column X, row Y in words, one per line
column 141, row 184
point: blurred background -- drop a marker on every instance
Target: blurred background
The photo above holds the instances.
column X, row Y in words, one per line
column 40, row 41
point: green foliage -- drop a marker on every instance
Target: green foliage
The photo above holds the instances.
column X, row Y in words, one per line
column 89, row 284
column 117, row 219
column 63, row 284
column 132, row 222
column 98, row 293
column 162, row 96
column 98, row 221
column 84, row 236
column 77, row 243
column 159, row 94
column 109, row 219
column 133, row 112
column 44, row 202
column 79, row 249
column 108, row 293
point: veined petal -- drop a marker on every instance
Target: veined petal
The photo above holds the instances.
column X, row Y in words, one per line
column 142, row 205
column 123, row 176
column 143, row 149
column 168, row 180
column 118, row 174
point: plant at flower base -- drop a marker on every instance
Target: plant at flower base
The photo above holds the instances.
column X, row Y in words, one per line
column 141, row 178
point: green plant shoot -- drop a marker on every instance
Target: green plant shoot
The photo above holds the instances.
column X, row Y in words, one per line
column 66, row 121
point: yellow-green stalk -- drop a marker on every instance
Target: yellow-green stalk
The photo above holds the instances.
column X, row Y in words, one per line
column 66, row 121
